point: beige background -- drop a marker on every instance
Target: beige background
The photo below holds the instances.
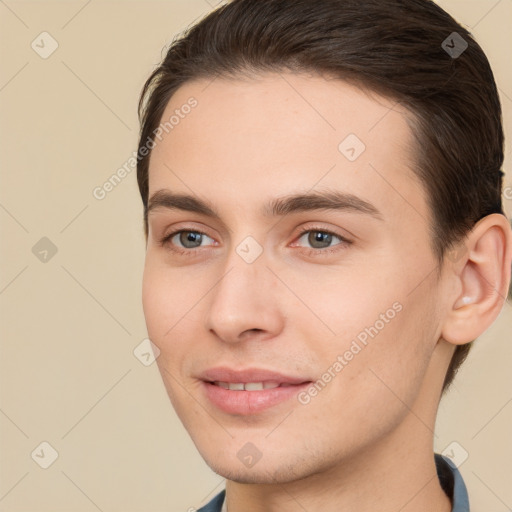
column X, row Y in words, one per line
column 69, row 325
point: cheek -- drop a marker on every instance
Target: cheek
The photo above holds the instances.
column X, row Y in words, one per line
column 338, row 305
column 392, row 367
column 163, row 306
column 154, row 299
column 380, row 336
column 371, row 387
column 173, row 312
column 167, row 297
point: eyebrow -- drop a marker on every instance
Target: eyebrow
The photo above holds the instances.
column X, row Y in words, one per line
column 329, row 200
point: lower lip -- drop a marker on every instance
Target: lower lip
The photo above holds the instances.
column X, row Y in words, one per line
column 250, row 402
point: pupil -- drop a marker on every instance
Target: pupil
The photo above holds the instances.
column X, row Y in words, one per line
column 190, row 239
column 318, row 239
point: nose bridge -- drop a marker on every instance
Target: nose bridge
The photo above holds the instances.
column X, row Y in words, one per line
column 245, row 265
column 241, row 299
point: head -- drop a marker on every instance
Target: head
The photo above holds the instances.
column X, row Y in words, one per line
column 354, row 102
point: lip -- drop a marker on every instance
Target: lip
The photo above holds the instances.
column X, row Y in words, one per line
column 249, row 402
column 225, row 374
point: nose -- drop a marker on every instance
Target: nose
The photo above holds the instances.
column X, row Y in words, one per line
column 245, row 303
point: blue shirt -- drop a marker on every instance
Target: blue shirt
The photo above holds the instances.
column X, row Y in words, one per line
column 449, row 477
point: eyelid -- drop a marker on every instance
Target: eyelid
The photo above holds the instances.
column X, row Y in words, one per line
column 158, row 218
column 179, row 226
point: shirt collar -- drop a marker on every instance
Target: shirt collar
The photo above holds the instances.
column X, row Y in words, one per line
column 452, row 483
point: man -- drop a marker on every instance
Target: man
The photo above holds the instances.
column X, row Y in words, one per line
column 321, row 184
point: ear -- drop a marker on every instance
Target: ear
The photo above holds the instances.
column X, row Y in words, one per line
column 481, row 276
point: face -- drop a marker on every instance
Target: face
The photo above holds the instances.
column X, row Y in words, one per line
column 302, row 259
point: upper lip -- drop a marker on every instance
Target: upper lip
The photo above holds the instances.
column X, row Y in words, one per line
column 225, row 374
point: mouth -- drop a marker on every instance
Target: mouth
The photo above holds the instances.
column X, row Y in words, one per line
column 251, row 386
column 249, row 391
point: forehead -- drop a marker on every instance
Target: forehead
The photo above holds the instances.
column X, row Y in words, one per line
column 247, row 139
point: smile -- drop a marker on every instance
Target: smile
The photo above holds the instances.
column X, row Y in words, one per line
column 250, row 386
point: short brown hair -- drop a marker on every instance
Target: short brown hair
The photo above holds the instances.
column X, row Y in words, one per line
column 403, row 49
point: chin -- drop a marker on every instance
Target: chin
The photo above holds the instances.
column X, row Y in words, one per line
column 263, row 472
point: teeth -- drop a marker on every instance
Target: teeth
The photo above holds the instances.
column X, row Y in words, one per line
column 253, row 386
column 247, row 386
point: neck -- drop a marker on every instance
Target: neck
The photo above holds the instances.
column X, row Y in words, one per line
column 389, row 477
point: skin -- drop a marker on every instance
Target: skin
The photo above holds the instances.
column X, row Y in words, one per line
column 365, row 441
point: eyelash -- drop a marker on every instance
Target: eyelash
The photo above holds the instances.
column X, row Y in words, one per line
column 164, row 241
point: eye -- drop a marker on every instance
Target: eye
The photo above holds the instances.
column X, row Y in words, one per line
column 320, row 239
column 186, row 239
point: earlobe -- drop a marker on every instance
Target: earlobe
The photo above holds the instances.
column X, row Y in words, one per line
column 482, row 278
